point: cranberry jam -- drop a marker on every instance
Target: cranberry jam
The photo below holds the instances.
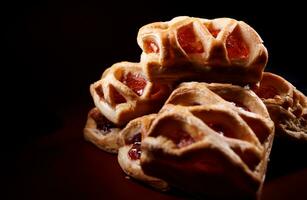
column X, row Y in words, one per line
column 135, row 151
column 103, row 124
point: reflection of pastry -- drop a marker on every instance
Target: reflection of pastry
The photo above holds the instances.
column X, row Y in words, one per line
column 130, row 152
column 212, row 139
column 218, row 50
column 101, row 132
column 287, row 106
column 123, row 93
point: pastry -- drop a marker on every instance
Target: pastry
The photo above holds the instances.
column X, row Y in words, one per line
column 101, row 132
column 130, row 151
column 287, row 106
column 123, row 93
column 210, row 139
column 187, row 48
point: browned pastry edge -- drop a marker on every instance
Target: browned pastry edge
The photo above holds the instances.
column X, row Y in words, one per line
column 287, row 106
column 132, row 105
column 106, row 140
column 235, row 180
column 132, row 167
column 172, row 63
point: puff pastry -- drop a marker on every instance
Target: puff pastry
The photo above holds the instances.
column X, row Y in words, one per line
column 124, row 93
column 287, row 105
column 130, row 151
column 101, row 132
column 210, row 139
column 187, row 48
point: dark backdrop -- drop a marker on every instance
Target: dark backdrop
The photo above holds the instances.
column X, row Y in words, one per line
column 56, row 49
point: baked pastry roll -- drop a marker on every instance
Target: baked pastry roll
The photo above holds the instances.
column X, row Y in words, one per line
column 187, row 48
column 287, row 106
column 210, row 139
column 130, row 151
column 101, row 132
column 123, row 93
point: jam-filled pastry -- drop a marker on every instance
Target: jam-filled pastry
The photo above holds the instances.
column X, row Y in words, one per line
column 123, row 93
column 130, row 151
column 101, row 132
column 287, row 106
column 187, row 48
column 210, row 139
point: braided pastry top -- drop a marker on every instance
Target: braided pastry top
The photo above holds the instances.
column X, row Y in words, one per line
column 124, row 93
column 218, row 50
column 216, row 136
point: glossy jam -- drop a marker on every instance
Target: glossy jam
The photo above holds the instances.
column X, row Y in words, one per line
column 188, row 40
column 99, row 91
column 150, row 46
column 117, row 98
column 236, row 47
column 103, row 124
column 214, row 32
column 136, row 82
column 134, row 152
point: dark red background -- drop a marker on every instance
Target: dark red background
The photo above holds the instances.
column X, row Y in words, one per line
column 54, row 50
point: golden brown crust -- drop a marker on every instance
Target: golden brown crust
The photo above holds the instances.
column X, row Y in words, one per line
column 118, row 102
column 105, row 138
column 166, row 58
column 132, row 167
column 287, row 106
column 217, row 147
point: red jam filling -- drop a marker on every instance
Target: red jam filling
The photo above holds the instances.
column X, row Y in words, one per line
column 134, row 152
column 136, row 82
column 99, row 91
column 214, row 32
column 102, row 123
column 181, row 138
column 236, row 47
column 117, row 98
column 188, row 40
column 150, row 46
column 184, row 140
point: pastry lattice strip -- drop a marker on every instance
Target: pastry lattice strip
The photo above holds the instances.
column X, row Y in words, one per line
column 124, row 93
column 218, row 50
column 203, row 136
